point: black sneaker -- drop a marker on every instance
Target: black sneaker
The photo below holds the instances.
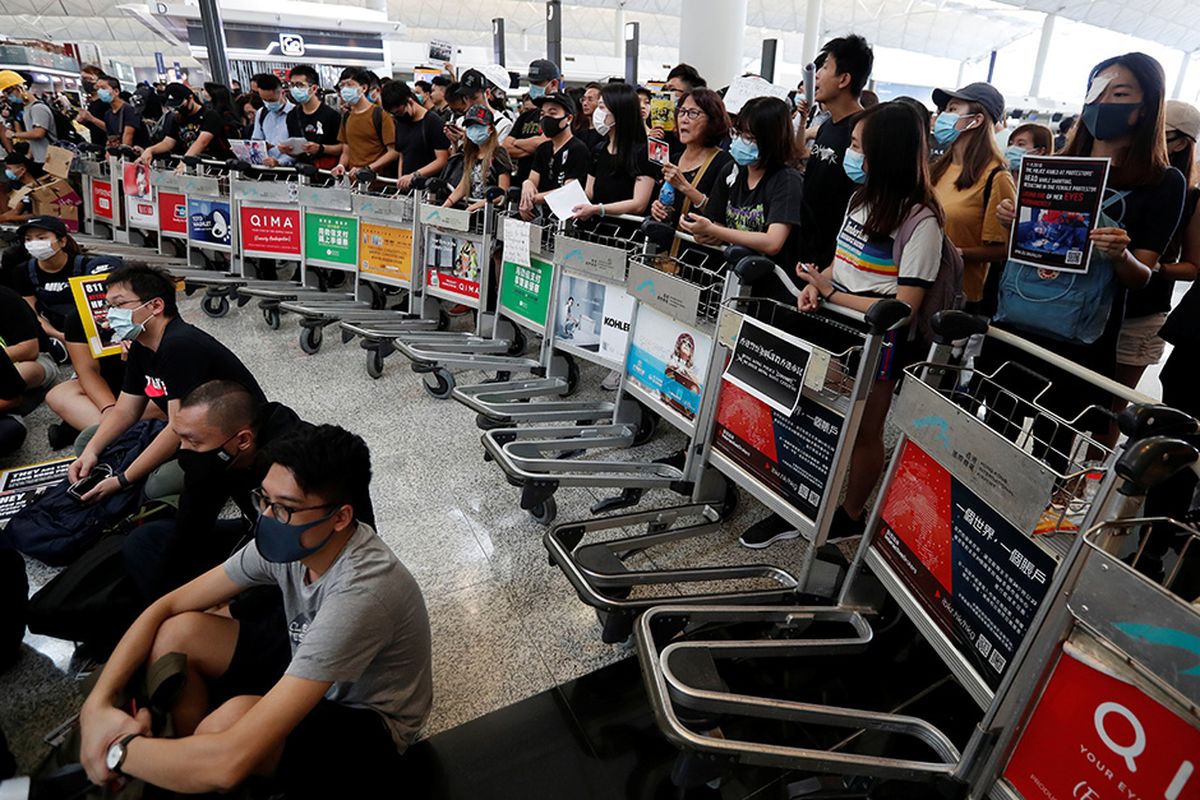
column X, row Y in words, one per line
column 843, row 527
column 61, row 435
column 767, row 532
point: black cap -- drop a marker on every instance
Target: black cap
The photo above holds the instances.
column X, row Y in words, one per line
column 479, row 115
column 543, row 70
column 45, row 223
column 981, row 92
column 558, row 98
column 473, row 81
column 177, row 95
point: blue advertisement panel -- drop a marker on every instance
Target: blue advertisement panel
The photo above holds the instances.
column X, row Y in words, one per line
column 668, row 358
column 209, row 223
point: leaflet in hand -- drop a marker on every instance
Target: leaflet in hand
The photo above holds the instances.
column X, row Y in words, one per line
column 1058, row 206
column 252, row 151
column 563, row 201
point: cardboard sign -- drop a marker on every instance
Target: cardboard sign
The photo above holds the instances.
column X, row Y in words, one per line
column 90, row 295
column 56, row 198
column 58, row 161
column 102, row 200
column 172, row 213
column 270, row 231
column 1058, row 206
column 385, row 251
column 21, row 486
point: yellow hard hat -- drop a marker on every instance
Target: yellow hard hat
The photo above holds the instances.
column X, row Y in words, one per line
column 9, row 79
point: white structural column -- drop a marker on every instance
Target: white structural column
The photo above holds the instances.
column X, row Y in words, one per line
column 1184, row 63
column 812, row 29
column 619, row 32
column 712, row 37
column 1039, row 65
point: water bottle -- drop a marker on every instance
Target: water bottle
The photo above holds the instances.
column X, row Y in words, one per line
column 666, row 195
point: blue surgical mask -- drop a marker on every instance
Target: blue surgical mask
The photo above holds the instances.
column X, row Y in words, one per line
column 300, row 95
column 350, row 94
column 943, row 128
column 1014, row 155
column 16, row 99
column 12, row 176
column 280, row 543
column 420, row 98
column 105, row 95
column 478, row 134
column 743, row 152
column 122, row 324
column 852, row 163
column 273, row 105
column 536, row 91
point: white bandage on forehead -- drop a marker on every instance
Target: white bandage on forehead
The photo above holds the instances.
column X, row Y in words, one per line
column 1097, row 88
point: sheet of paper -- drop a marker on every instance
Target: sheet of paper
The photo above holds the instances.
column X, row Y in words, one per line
column 516, row 241
column 252, row 151
column 749, row 87
column 295, row 142
column 561, row 201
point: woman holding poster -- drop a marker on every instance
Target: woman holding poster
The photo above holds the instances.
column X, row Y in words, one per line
column 1122, row 120
column 890, row 245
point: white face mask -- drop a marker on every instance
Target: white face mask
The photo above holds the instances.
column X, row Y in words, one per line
column 600, row 121
column 41, row 249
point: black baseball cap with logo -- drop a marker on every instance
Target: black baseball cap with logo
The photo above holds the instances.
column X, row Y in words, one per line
column 176, row 95
column 43, row 223
column 558, row 98
column 473, row 80
column 543, row 70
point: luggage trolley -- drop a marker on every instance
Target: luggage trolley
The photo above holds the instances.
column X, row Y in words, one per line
column 136, row 222
column 210, row 221
column 386, row 263
column 95, row 168
column 172, row 208
column 588, row 319
column 787, row 411
column 457, row 265
column 384, row 252
column 971, row 537
column 327, row 233
column 668, row 368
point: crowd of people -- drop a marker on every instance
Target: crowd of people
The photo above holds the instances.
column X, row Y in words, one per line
column 854, row 198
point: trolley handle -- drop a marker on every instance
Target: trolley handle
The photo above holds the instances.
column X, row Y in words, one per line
column 1140, row 420
column 88, row 147
column 1147, row 463
column 122, row 151
column 211, row 163
column 950, row 326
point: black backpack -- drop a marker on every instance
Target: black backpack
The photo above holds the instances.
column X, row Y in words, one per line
column 64, row 130
column 56, row 528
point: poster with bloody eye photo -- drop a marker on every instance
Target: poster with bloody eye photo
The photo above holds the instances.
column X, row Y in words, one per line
column 1058, row 206
column 91, row 300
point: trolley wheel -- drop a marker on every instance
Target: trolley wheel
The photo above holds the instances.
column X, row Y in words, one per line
column 216, row 306
column 729, row 502
column 443, row 321
column 375, row 363
column 438, row 383
column 518, row 343
column 572, row 376
column 335, row 278
column 271, row 316
column 544, row 512
column 378, row 298
column 617, row 626
column 310, row 340
column 647, row 425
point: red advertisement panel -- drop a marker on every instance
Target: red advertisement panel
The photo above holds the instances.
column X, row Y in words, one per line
column 271, row 230
column 102, row 200
column 172, row 213
column 1093, row 737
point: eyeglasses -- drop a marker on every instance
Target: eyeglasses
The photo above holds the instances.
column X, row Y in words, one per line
column 691, row 113
column 279, row 511
column 125, row 303
column 746, row 137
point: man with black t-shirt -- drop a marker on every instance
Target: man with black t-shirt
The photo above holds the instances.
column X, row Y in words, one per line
column 24, row 344
column 192, row 130
column 561, row 159
column 312, row 120
column 843, row 67
column 123, row 123
column 527, row 136
column 437, row 93
column 420, row 134
column 93, row 114
column 167, row 359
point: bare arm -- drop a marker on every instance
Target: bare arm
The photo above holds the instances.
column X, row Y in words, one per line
column 88, row 371
column 200, row 145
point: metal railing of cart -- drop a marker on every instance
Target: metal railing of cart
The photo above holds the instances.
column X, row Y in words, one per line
column 970, row 536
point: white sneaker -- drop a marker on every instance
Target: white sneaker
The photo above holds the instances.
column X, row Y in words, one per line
column 611, row 381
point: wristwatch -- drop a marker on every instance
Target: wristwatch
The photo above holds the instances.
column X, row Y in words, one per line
column 117, row 752
column 122, row 481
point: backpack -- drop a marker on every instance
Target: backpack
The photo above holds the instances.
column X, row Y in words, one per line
column 946, row 293
column 1067, row 306
column 80, row 265
column 56, row 528
column 64, row 129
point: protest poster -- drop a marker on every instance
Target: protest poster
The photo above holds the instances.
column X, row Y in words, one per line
column 20, row 486
column 769, row 364
column 748, row 87
column 1058, row 206
column 91, row 293
column 662, row 111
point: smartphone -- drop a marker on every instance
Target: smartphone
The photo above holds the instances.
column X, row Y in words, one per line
column 85, row 485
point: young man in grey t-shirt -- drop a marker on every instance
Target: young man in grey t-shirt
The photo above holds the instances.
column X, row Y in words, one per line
column 358, row 686
column 37, row 121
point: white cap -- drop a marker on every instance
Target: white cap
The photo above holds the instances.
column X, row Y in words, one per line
column 1183, row 117
column 497, row 75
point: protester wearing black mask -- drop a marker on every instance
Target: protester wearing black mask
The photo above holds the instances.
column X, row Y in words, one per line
column 420, row 134
column 223, row 429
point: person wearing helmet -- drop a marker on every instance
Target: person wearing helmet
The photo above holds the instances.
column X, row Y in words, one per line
column 37, row 120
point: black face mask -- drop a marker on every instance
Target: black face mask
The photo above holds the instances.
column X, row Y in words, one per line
column 1106, row 121
column 205, row 465
column 553, row 126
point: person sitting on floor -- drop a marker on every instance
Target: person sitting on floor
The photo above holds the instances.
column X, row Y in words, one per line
column 25, row 345
column 358, row 686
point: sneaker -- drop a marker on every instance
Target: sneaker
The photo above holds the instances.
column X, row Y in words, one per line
column 767, row 532
column 611, row 381
column 458, row 310
column 61, row 435
column 844, row 527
